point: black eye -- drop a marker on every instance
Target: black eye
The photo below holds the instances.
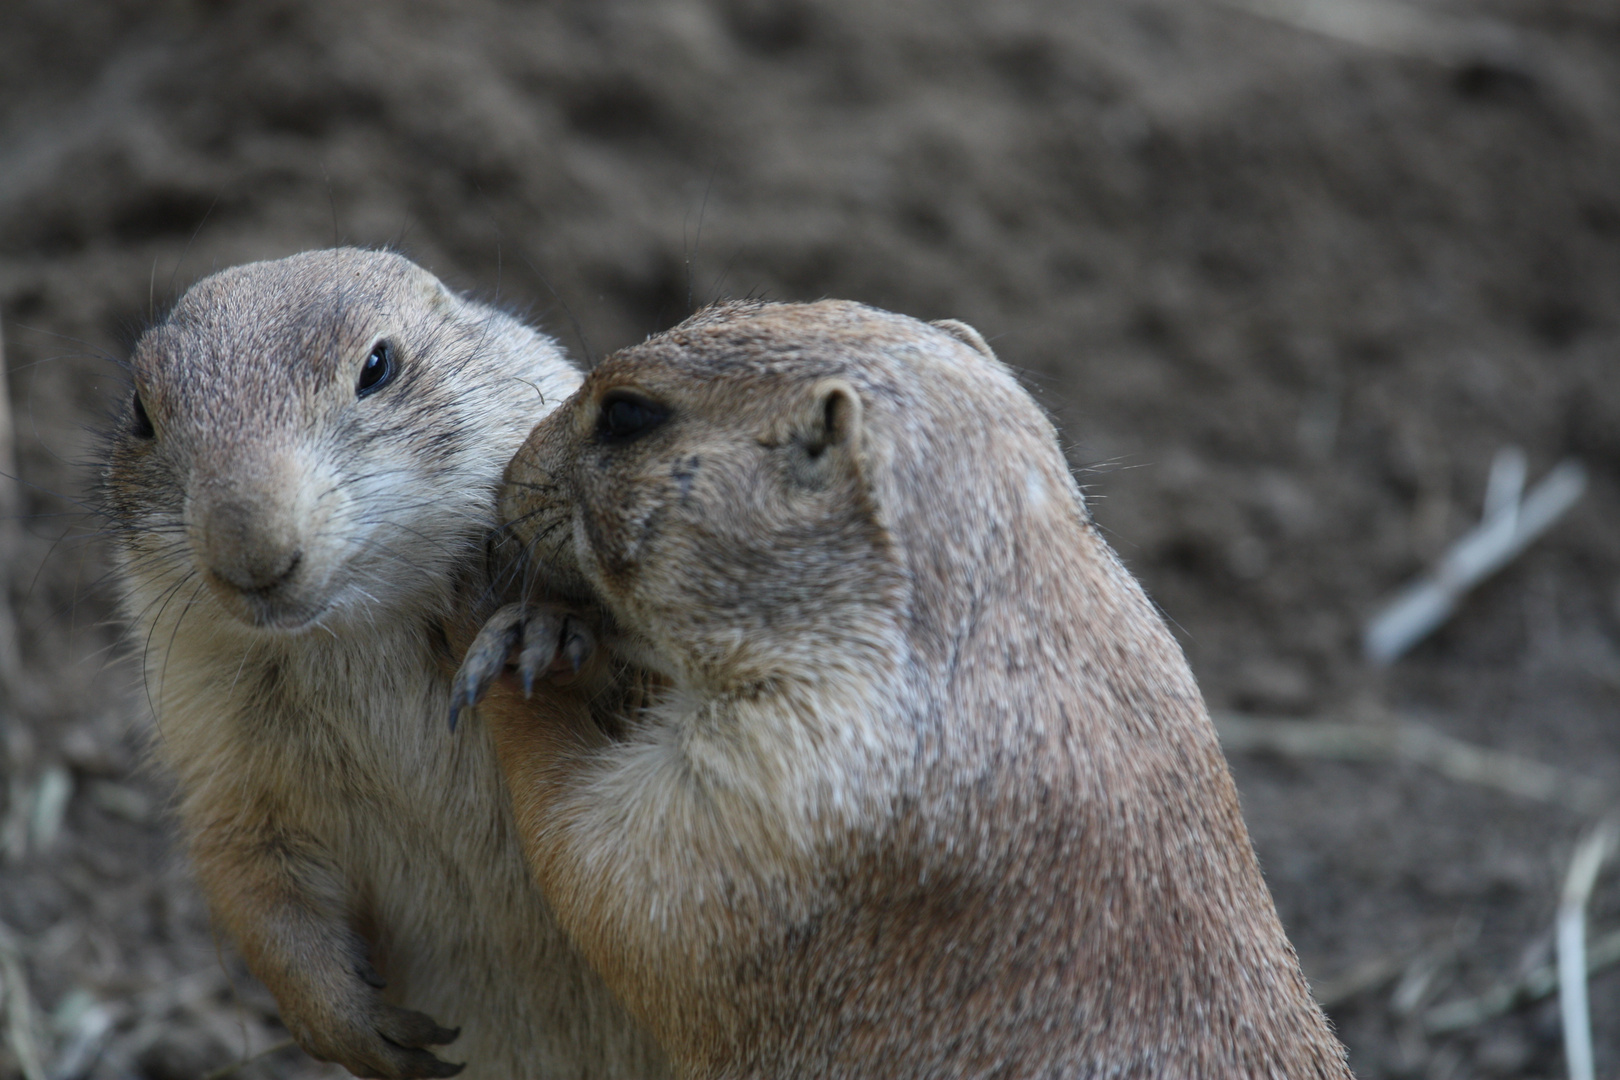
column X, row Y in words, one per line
column 625, row 417
column 377, row 371
column 141, row 427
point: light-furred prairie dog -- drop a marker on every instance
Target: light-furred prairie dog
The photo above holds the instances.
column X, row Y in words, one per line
column 301, row 488
column 931, row 791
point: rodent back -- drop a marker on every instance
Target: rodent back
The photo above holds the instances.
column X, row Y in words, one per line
column 320, row 437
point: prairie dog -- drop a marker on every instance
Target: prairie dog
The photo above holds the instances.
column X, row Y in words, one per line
column 301, row 487
column 930, row 791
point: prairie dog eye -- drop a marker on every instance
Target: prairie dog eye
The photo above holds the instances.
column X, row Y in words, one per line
column 625, row 417
column 378, row 369
column 142, row 427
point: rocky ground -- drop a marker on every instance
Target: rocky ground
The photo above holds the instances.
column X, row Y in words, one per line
column 1287, row 274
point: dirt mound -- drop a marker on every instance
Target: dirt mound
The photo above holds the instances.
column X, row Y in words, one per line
column 1286, row 286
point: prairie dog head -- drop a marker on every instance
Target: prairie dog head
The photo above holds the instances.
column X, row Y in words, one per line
column 767, row 485
column 318, row 439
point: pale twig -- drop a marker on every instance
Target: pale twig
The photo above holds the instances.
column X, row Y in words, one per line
column 120, row 800
column 19, row 1005
column 1416, row 743
column 1419, row 980
column 1365, row 976
column 226, row 1070
column 1584, row 865
column 1414, row 974
column 51, row 797
column 83, row 1037
column 1403, row 29
column 1509, row 526
column 10, row 663
column 1499, row 1000
column 8, row 459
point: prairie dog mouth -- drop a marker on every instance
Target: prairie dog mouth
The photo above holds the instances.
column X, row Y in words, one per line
column 280, row 607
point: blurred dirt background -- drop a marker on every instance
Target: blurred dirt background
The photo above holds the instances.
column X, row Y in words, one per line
column 1287, row 273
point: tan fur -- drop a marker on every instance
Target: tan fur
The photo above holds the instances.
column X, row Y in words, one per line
column 333, row 819
column 931, row 791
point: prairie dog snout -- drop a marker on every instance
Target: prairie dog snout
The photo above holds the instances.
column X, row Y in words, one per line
column 257, row 547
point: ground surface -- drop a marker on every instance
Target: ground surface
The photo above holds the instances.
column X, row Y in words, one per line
column 1286, row 288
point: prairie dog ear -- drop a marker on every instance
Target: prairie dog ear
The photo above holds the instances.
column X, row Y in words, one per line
column 436, row 294
column 828, row 432
column 964, row 333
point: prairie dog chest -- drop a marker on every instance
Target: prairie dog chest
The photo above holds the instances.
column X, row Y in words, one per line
column 354, row 730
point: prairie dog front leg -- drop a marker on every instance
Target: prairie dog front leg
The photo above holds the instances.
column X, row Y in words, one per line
column 284, row 901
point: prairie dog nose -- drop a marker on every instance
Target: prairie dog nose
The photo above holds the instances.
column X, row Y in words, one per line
column 248, row 546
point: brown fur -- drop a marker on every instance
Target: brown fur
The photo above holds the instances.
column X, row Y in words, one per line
column 931, row 791
column 290, row 552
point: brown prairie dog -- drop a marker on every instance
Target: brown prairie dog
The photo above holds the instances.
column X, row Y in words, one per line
column 930, row 790
column 301, row 488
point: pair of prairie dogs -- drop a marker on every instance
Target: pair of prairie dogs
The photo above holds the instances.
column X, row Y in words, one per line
column 852, row 749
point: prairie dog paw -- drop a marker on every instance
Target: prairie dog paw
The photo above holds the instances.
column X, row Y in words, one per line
column 372, row 1038
column 539, row 641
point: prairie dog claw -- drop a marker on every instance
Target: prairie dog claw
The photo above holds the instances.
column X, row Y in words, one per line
column 374, row 1039
column 485, row 659
column 546, row 641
